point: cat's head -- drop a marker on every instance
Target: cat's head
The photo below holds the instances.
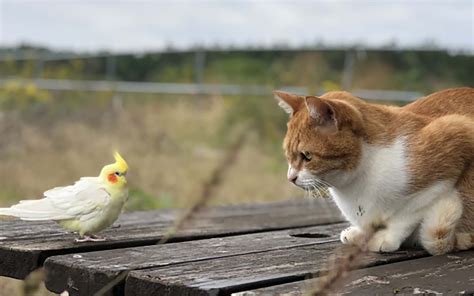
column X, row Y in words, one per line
column 323, row 143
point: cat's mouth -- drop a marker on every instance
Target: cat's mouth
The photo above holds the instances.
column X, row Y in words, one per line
column 313, row 185
column 315, row 188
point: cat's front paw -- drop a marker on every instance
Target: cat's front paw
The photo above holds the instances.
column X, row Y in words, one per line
column 383, row 241
column 351, row 236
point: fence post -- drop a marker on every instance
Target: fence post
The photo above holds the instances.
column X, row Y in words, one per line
column 199, row 64
column 348, row 71
column 110, row 67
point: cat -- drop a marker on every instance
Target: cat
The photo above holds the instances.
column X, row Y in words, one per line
column 394, row 172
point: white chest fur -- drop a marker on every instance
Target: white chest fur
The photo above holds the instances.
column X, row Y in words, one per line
column 378, row 188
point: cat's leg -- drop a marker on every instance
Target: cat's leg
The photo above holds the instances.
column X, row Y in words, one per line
column 437, row 231
column 464, row 241
column 352, row 235
column 393, row 234
column 465, row 229
column 388, row 236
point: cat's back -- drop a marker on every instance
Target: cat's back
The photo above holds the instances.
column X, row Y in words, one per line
column 446, row 102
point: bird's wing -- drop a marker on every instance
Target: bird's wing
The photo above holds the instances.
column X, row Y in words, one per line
column 83, row 200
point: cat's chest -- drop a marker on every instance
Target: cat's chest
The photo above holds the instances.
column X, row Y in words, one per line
column 361, row 209
column 366, row 208
column 380, row 185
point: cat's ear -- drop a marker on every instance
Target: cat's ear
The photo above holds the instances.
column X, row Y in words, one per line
column 322, row 113
column 288, row 102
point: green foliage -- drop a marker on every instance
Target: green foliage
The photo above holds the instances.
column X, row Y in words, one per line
column 72, row 69
column 423, row 71
column 260, row 115
column 15, row 95
column 237, row 69
column 140, row 200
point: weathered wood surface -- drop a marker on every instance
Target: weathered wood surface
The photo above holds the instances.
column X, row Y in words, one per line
column 248, row 250
column 222, row 276
column 86, row 273
column 25, row 245
column 451, row 274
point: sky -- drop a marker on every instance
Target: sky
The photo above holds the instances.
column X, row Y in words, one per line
column 138, row 26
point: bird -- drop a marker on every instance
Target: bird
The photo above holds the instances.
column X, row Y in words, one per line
column 87, row 207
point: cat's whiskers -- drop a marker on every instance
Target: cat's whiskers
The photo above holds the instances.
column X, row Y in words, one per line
column 313, row 191
column 323, row 187
column 307, row 193
column 320, row 190
column 308, row 189
column 324, row 183
column 317, row 189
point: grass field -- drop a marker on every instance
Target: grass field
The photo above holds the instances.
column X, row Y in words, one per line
column 172, row 144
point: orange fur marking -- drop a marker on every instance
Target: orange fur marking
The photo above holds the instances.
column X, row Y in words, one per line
column 438, row 128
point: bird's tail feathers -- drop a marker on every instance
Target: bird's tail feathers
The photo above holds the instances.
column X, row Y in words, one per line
column 34, row 210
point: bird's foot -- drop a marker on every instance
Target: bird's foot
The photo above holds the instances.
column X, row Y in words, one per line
column 90, row 238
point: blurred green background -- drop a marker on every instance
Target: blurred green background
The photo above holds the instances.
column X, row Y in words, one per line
column 172, row 84
column 50, row 136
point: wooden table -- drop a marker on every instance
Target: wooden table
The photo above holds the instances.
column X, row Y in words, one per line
column 262, row 249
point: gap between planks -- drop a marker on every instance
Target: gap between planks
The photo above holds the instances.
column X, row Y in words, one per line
column 75, row 272
column 223, row 276
column 451, row 274
column 25, row 246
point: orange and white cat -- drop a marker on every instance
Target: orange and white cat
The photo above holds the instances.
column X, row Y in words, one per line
column 406, row 171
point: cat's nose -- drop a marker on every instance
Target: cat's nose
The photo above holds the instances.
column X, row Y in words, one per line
column 292, row 174
column 292, row 179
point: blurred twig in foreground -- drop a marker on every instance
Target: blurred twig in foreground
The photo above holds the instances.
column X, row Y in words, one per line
column 340, row 267
column 199, row 204
column 208, row 188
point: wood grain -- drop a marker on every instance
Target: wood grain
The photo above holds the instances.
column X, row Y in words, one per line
column 239, row 273
column 86, row 273
column 25, row 245
column 451, row 274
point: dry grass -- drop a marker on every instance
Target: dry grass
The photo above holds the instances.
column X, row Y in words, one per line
column 201, row 202
column 344, row 259
column 172, row 149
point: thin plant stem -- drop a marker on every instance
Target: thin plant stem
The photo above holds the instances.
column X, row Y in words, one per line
column 200, row 203
column 341, row 267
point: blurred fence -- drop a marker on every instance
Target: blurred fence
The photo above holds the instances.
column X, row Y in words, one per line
column 152, row 87
column 196, row 88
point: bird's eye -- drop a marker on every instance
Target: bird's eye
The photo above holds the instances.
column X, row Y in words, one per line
column 306, row 156
column 117, row 174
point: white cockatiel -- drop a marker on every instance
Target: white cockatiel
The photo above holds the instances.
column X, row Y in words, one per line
column 87, row 207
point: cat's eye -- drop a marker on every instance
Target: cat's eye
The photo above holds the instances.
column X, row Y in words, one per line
column 306, row 156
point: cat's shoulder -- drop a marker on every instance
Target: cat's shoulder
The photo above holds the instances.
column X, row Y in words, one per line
column 342, row 96
column 445, row 102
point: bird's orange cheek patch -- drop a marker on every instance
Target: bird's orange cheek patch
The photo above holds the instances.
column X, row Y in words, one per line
column 112, row 178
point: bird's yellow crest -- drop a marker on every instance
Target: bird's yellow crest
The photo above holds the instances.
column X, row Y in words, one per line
column 120, row 162
column 115, row 173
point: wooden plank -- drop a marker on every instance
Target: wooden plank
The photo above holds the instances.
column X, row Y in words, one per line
column 25, row 245
column 86, row 273
column 239, row 273
column 451, row 274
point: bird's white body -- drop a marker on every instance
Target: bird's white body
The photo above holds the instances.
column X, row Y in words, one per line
column 88, row 206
